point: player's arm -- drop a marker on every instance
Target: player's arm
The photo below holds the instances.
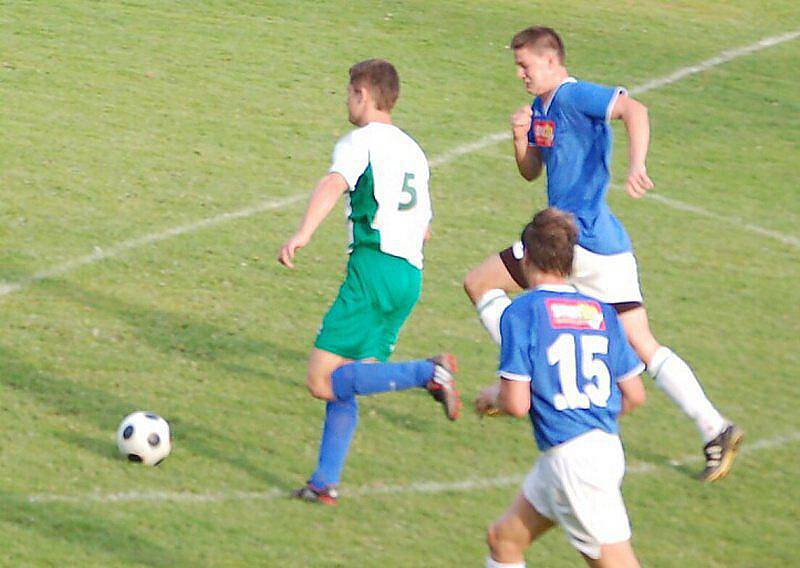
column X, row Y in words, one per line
column 529, row 159
column 514, row 398
column 633, row 393
column 511, row 394
column 634, row 115
column 322, row 201
column 505, row 397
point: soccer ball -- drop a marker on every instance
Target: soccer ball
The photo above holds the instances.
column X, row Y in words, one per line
column 144, row 437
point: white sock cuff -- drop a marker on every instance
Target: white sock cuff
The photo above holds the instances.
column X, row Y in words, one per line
column 492, row 563
column 657, row 361
column 490, row 297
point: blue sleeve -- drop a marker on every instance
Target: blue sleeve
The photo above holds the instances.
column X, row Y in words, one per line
column 594, row 100
column 624, row 360
column 515, row 343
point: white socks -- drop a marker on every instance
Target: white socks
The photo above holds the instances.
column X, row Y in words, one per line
column 492, row 563
column 490, row 307
column 676, row 378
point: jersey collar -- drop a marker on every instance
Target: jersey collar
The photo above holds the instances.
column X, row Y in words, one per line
column 557, row 288
column 546, row 105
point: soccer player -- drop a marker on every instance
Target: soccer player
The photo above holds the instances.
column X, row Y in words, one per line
column 567, row 129
column 385, row 176
column 564, row 361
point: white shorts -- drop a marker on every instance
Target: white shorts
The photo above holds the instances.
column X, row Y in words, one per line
column 577, row 485
column 611, row 278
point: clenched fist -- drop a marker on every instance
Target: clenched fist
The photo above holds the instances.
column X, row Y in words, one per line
column 521, row 122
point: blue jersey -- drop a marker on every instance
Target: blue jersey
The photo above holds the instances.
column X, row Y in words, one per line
column 573, row 350
column 574, row 137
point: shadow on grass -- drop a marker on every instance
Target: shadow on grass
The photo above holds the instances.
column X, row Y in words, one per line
column 71, row 398
column 103, row 447
column 83, row 530
column 405, row 420
column 659, row 458
column 176, row 333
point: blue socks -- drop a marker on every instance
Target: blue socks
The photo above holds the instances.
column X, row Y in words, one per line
column 341, row 415
column 373, row 378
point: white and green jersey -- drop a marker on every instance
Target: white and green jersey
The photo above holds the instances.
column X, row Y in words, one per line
column 388, row 206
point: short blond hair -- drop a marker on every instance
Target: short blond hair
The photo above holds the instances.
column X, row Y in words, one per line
column 538, row 38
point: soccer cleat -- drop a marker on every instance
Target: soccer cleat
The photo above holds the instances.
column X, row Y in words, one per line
column 326, row 496
column 442, row 385
column 720, row 453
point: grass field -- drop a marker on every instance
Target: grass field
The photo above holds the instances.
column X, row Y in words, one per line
column 126, row 119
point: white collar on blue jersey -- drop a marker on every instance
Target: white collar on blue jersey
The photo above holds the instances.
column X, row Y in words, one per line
column 557, row 288
column 546, row 105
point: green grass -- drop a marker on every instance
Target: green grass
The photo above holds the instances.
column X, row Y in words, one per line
column 129, row 118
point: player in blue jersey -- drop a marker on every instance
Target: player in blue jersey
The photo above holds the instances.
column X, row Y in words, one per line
column 564, row 361
column 567, row 131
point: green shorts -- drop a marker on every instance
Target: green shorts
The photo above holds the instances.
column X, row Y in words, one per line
column 374, row 301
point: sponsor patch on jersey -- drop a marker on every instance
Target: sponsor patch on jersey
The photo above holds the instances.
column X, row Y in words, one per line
column 544, row 132
column 575, row 314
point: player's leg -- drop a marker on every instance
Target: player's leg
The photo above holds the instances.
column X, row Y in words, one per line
column 510, row 536
column 339, row 425
column 677, row 379
column 321, row 365
column 367, row 325
column 393, row 287
column 363, row 322
column 335, row 345
column 614, row 279
column 585, row 475
column 671, row 374
column 617, row 555
column 341, row 410
column 489, row 283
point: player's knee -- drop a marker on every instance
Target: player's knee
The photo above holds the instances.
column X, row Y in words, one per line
column 318, row 388
column 500, row 540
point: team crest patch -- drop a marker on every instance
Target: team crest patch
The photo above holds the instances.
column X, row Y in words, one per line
column 544, row 132
column 575, row 314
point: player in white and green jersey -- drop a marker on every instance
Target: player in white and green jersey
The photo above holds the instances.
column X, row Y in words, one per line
column 389, row 211
column 385, row 175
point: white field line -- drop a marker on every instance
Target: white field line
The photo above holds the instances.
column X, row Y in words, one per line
column 637, row 468
column 739, row 222
column 448, row 156
column 115, row 250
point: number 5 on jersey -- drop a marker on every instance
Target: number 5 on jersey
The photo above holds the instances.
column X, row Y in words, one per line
column 562, row 352
column 408, row 188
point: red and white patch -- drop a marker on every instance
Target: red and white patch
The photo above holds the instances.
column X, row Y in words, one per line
column 544, row 132
column 575, row 314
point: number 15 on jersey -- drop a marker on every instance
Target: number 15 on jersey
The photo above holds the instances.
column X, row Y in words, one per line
column 563, row 353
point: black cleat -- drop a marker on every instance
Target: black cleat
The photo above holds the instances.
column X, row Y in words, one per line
column 720, row 453
column 326, row 496
column 442, row 385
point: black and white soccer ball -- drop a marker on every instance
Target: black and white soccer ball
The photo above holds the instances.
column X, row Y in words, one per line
column 144, row 437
